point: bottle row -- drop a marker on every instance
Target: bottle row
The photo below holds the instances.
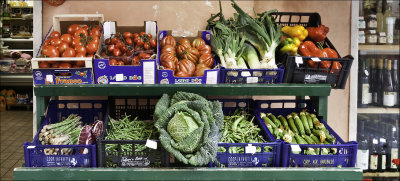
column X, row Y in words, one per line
column 378, row 83
column 378, row 143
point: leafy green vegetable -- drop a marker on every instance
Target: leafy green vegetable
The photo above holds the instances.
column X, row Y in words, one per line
column 189, row 127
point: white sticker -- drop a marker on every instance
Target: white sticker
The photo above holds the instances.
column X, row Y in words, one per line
column 295, row 148
column 372, row 31
column 211, row 77
column 366, row 72
column 49, row 78
column 151, row 144
column 382, row 34
column 299, row 60
column 252, row 80
column 374, row 141
column 119, row 77
column 315, row 59
column 149, row 72
column 31, row 147
column 250, row 149
column 382, row 140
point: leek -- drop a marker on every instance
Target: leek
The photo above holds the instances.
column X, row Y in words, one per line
column 250, row 54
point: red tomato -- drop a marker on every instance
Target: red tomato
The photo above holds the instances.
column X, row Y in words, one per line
column 67, row 38
column 95, row 32
column 135, row 35
column 114, row 40
column 138, row 48
column 117, row 52
column 153, row 43
column 141, row 34
column 107, row 41
column 47, row 41
column 129, row 41
column 146, row 46
column 65, row 65
column 73, row 28
column 44, row 64
column 149, row 35
column 119, row 44
column 76, row 42
column 135, row 59
column 80, row 63
column 55, row 41
column 85, row 27
column 45, row 49
column 95, row 39
column 90, row 56
column 91, row 48
column 129, row 52
column 117, row 36
column 113, row 62
column 135, row 40
column 120, row 63
column 144, row 56
column 55, row 64
column 80, row 49
column 55, row 34
column 127, row 35
column 139, row 42
column 80, row 33
column 52, row 52
column 110, row 48
column 62, row 46
column 123, row 49
column 79, row 54
column 69, row 52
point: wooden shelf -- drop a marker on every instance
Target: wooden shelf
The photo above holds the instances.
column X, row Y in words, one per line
column 378, row 110
column 382, row 174
column 379, row 49
column 21, row 50
column 16, row 79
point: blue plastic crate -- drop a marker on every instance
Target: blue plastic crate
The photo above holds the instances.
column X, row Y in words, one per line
column 346, row 152
column 248, row 76
column 57, row 111
column 261, row 159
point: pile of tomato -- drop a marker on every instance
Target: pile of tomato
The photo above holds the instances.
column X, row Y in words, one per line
column 185, row 58
column 80, row 41
column 129, row 48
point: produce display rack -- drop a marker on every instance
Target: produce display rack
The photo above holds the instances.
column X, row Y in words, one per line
column 318, row 93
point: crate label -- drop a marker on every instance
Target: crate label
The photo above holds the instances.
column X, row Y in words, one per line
column 298, row 61
column 250, row 149
column 315, row 59
column 135, row 162
column 119, row 77
column 315, row 78
column 151, row 144
column 295, row 148
column 49, row 78
column 244, row 161
column 58, row 161
column 148, row 72
column 212, row 77
column 251, row 80
column 31, row 147
column 318, row 163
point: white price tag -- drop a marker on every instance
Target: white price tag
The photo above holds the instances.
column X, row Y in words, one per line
column 251, row 80
column 366, row 72
column 31, row 147
column 119, row 77
column 295, row 148
column 315, row 59
column 374, row 141
column 49, row 78
column 382, row 140
column 372, row 31
column 149, row 74
column 151, row 144
column 212, row 77
column 250, row 149
column 299, row 60
column 382, row 34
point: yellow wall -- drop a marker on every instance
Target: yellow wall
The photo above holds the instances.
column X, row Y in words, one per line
column 187, row 17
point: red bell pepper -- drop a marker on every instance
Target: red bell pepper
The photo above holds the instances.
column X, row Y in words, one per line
column 318, row 34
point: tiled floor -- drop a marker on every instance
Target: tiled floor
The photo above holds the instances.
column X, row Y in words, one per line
column 15, row 129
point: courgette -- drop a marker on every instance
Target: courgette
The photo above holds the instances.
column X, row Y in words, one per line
column 283, row 121
column 304, row 120
column 273, row 119
column 299, row 125
column 291, row 124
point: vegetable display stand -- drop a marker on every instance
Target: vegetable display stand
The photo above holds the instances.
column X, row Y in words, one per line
column 76, row 155
column 166, row 76
column 297, row 155
column 140, row 154
column 323, row 70
column 106, row 72
column 248, row 76
column 64, row 74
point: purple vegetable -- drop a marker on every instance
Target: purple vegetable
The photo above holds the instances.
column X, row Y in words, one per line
column 85, row 138
column 97, row 129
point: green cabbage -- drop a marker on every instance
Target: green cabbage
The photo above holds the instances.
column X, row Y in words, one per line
column 189, row 127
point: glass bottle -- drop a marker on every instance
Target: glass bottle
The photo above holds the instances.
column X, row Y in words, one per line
column 389, row 98
column 372, row 84
column 379, row 81
column 373, row 159
column 362, row 151
column 396, row 86
column 365, row 93
column 393, row 149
